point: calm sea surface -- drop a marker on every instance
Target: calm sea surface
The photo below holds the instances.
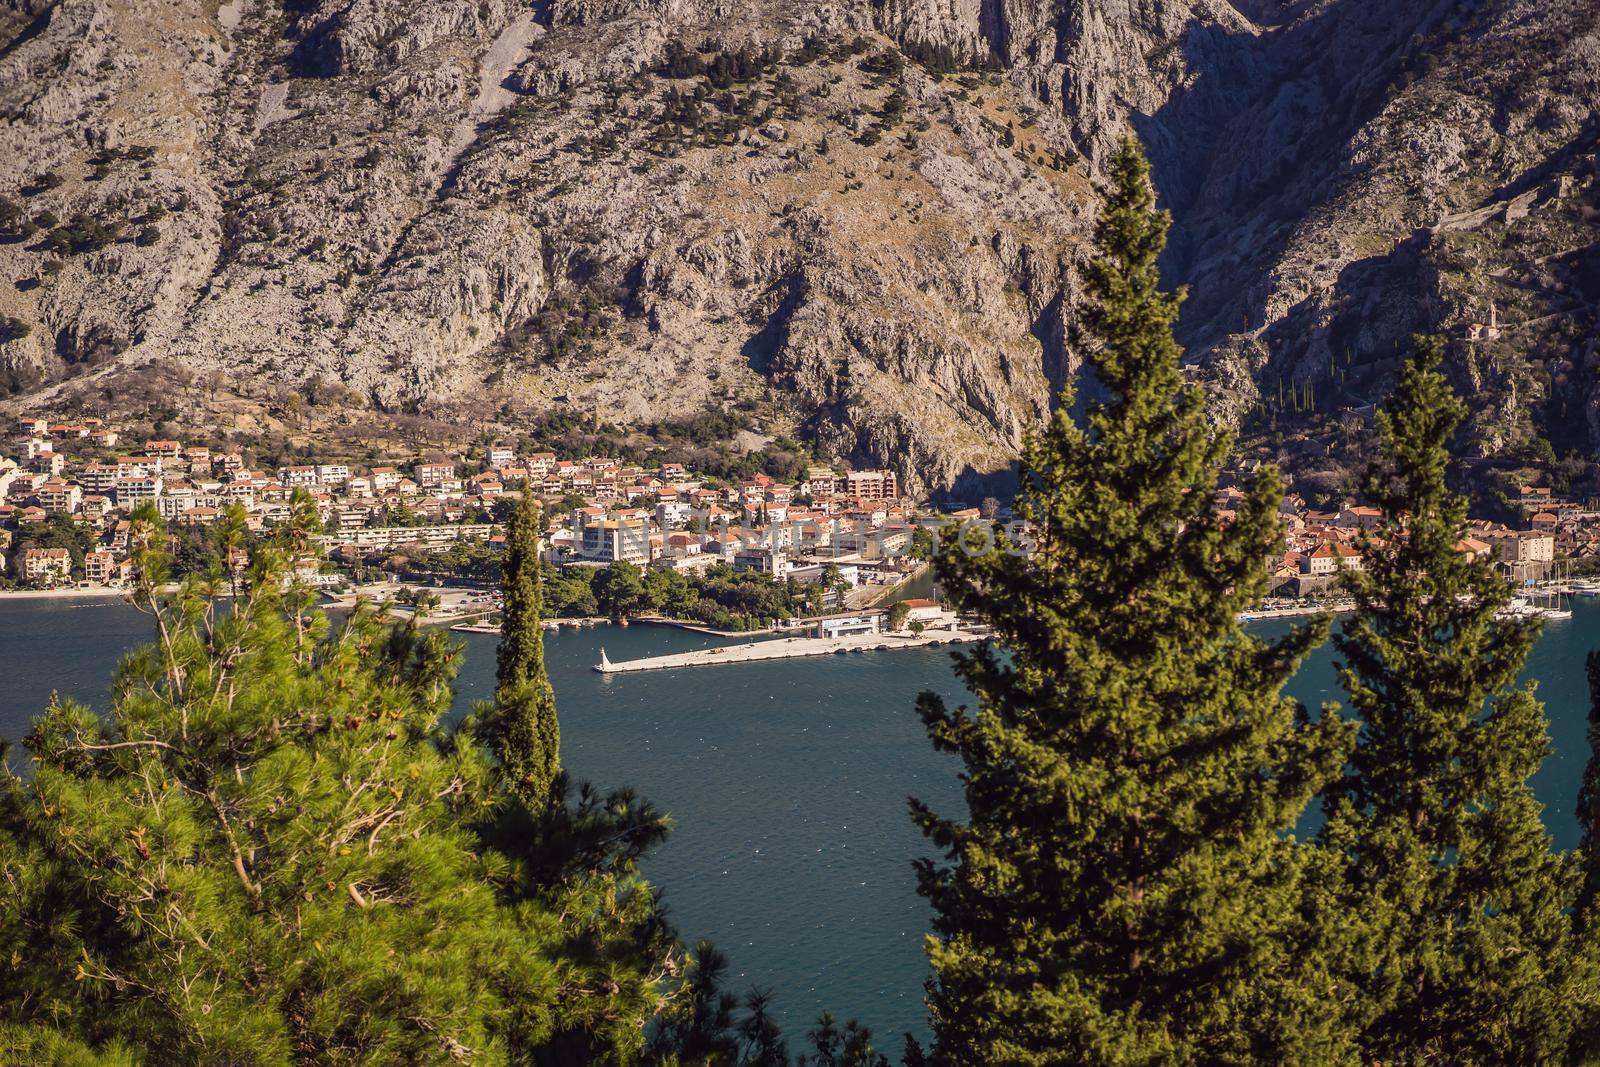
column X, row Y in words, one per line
column 787, row 782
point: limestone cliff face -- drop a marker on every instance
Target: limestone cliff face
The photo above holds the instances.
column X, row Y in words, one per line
column 1340, row 174
column 480, row 209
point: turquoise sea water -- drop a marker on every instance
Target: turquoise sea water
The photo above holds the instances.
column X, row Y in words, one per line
column 787, row 782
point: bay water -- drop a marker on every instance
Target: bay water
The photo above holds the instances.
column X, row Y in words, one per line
column 786, row 781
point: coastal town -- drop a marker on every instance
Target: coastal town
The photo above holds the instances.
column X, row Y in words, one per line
column 67, row 489
column 1321, row 543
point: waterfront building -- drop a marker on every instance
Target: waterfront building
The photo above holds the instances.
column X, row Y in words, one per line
column 45, row 566
column 850, row 625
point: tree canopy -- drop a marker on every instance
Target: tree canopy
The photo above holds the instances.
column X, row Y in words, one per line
column 1457, row 909
column 1123, row 890
column 272, row 847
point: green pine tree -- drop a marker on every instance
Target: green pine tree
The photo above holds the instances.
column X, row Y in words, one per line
column 1589, row 806
column 1586, row 917
column 520, row 726
column 269, row 849
column 1124, row 890
column 1465, row 956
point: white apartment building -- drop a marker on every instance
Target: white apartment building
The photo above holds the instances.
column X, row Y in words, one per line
column 376, row 537
column 99, row 477
column 60, row 498
column 137, row 490
column 298, row 477
column 608, row 538
column 672, row 512
column 435, row 474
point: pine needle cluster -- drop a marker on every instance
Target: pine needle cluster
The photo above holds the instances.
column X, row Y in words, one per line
column 273, row 848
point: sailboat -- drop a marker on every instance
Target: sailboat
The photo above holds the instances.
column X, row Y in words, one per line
column 1548, row 604
column 1542, row 603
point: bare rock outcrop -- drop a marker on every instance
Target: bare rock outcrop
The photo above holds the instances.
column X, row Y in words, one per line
column 862, row 220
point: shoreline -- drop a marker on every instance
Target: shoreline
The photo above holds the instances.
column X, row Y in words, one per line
column 1264, row 614
column 94, row 592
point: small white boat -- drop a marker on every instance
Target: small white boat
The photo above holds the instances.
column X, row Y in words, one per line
column 1522, row 608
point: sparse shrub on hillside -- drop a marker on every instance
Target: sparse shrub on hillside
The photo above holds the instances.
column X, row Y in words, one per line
column 941, row 59
column 43, row 184
column 810, row 50
column 894, row 110
column 84, row 233
column 726, row 69
column 886, row 64
column 847, row 50
column 680, row 61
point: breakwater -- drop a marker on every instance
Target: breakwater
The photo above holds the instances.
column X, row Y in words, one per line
column 785, row 648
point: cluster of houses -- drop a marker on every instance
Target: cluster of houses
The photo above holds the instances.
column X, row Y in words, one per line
column 852, row 523
column 1320, row 544
column 848, row 527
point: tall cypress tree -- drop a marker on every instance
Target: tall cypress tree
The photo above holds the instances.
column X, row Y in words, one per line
column 521, row 727
column 1466, row 958
column 1124, row 890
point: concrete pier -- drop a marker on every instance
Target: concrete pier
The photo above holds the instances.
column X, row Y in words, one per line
column 785, row 648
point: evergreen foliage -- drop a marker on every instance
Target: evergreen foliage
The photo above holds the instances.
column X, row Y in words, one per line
column 705, row 1028
column 1585, row 1041
column 270, row 849
column 1465, row 955
column 1124, row 891
column 520, row 726
column 1589, row 805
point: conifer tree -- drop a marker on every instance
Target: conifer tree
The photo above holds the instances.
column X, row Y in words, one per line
column 1465, row 955
column 520, row 726
column 269, row 849
column 1585, row 1042
column 1124, row 890
column 1589, row 808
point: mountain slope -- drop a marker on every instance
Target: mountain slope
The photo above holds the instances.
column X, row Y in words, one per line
column 471, row 215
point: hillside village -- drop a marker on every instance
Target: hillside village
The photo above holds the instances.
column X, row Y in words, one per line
column 852, row 527
column 1320, row 543
column 67, row 489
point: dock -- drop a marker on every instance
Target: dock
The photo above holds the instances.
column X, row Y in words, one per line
column 786, row 648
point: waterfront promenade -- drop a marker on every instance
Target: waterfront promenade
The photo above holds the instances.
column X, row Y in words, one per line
column 785, row 648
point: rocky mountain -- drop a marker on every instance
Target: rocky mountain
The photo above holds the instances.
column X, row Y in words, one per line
column 853, row 223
